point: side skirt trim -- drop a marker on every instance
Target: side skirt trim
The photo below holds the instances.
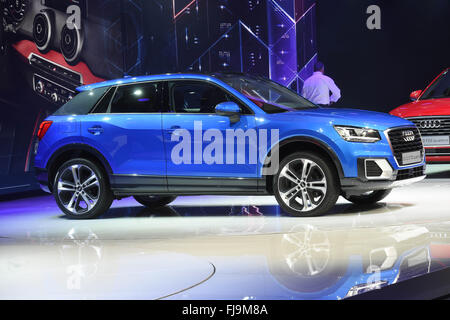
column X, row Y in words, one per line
column 160, row 185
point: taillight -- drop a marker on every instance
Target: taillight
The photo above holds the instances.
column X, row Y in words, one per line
column 43, row 128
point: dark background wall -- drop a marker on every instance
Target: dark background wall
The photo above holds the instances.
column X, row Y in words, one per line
column 377, row 69
column 277, row 38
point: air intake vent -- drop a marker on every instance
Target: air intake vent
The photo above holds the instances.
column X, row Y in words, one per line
column 372, row 169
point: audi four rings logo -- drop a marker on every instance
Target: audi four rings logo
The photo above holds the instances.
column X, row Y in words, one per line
column 430, row 124
column 408, row 136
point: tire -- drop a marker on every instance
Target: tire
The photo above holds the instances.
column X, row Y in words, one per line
column 320, row 186
column 73, row 198
column 368, row 198
column 154, row 201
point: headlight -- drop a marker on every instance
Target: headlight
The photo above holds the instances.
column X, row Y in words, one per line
column 355, row 134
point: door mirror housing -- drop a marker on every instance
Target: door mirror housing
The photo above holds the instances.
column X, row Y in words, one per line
column 415, row 95
column 229, row 109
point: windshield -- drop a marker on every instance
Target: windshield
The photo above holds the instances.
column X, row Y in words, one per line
column 439, row 89
column 266, row 94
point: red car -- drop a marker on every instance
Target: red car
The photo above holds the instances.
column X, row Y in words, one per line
column 430, row 111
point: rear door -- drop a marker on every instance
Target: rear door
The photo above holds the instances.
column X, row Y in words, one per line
column 126, row 128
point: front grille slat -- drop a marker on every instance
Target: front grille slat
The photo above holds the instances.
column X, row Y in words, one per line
column 400, row 145
column 443, row 129
column 410, row 173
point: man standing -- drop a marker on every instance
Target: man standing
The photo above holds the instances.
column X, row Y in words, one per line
column 317, row 87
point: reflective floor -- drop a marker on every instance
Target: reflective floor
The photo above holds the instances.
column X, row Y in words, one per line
column 223, row 247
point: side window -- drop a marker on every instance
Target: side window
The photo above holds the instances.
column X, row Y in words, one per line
column 82, row 103
column 137, row 98
column 197, row 97
column 103, row 105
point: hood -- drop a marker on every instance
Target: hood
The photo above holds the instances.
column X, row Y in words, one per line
column 349, row 117
column 421, row 108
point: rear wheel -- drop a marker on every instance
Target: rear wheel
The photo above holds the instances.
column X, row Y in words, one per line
column 306, row 185
column 81, row 189
column 369, row 197
column 154, row 201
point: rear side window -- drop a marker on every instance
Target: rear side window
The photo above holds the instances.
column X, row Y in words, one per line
column 82, row 103
column 137, row 98
column 103, row 105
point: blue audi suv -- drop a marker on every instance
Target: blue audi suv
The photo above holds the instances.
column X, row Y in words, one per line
column 162, row 136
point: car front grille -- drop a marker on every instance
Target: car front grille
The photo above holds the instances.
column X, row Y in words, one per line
column 401, row 144
column 432, row 126
column 410, row 173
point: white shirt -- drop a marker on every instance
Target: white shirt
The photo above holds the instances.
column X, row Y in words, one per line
column 317, row 89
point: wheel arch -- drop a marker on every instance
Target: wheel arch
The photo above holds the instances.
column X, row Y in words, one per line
column 71, row 151
column 303, row 143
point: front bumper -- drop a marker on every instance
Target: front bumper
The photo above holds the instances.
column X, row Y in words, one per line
column 397, row 160
column 439, row 160
column 398, row 178
column 354, row 184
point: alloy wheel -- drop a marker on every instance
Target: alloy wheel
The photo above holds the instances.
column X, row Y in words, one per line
column 302, row 185
column 78, row 188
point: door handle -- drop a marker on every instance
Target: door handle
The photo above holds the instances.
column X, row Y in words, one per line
column 172, row 130
column 96, row 130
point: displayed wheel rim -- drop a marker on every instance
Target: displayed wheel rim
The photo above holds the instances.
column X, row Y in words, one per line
column 302, row 185
column 78, row 189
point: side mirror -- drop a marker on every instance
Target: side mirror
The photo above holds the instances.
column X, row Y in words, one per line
column 229, row 109
column 415, row 95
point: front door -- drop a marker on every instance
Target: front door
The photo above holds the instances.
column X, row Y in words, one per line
column 198, row 154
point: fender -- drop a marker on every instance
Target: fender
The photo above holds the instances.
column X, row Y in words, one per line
column 322, row 145
column 80, row 147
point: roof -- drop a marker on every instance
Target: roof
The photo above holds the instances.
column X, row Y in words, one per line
column 128, row 80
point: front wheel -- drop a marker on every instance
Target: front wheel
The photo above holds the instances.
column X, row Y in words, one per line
column 154, row 201
column 369, row 197
column 306, row 185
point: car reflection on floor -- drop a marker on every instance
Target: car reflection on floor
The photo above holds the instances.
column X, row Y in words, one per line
column 331, row 264
column 219, row 252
